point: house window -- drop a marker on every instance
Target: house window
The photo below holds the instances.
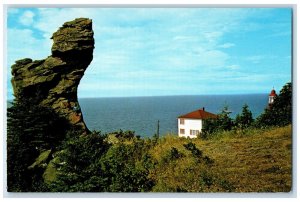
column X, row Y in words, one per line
column 194, row 132
column 182, row 121
column 182, row 131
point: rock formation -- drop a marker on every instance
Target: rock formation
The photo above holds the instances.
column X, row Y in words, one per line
column 57, row 77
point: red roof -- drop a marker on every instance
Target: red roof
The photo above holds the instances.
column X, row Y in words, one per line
column 273, row 93
column 199, row 114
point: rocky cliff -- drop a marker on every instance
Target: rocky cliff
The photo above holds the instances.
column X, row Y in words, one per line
column 57, row 77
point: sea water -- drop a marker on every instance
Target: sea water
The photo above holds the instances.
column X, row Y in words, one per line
column 141, row 114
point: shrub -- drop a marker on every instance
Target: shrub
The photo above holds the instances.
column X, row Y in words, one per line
column 125, row 135
column 192, row 148
column 198, row 154
column 172, row 155
column 123, row 172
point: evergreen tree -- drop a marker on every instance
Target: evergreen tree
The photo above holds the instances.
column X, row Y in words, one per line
column 245, row 119
column 31, row 129
column 224, row 121
column 209, row 126
column 78, row 168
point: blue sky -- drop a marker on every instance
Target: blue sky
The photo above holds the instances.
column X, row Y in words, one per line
column 166, row 51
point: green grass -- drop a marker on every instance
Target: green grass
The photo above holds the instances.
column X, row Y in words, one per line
column 252, row 160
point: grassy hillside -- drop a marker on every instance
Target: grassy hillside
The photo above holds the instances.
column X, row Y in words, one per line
column 239, row 161
column 250, row 160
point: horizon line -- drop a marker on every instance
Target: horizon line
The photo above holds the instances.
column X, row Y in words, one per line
column 137, row 96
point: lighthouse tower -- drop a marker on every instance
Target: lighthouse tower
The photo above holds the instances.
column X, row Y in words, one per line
column 272, row 96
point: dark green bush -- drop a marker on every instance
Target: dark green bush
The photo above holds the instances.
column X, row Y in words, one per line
column 125, row 135
column 122, row 167
column 193, row 149
column 198, row 154
column 171, row 155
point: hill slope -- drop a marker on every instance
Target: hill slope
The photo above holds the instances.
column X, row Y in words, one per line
column 243, row 161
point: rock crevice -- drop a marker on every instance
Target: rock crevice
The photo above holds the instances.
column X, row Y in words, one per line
column 57, row 77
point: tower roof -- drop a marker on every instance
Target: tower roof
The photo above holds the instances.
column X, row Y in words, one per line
column 273, row 93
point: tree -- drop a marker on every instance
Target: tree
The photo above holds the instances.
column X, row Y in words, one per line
column 222, row 123
column 78, row 165
column 209, row 126
column 245, row 119
column 280, row 112
column 31, row 129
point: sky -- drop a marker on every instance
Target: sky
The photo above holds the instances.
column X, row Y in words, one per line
column 165, row 51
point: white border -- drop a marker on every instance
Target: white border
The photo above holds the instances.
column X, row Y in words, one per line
column 157, row 3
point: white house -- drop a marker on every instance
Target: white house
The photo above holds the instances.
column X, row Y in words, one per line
column 190, row 125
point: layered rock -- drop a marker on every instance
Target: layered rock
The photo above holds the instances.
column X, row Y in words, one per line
column 57, row 77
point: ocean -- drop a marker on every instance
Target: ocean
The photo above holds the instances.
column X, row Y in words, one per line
column 141, row 114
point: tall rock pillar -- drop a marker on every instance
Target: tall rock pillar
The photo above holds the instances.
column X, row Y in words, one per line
column 57, row 77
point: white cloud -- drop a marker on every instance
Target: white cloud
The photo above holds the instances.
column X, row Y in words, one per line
column 227, row 45
column 27, row 18
column 184, row 38
column 22, row 43
column 255, row 58
column 233, row 67
column 213, row 36
column 211, row 58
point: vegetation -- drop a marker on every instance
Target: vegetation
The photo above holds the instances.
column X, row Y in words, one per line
column 222, row 123
column 90, row 164
column 32, row 129
column 244, row 120
column 277, row 114
column 257, row 160
column 280, row 113
column 241, row 155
